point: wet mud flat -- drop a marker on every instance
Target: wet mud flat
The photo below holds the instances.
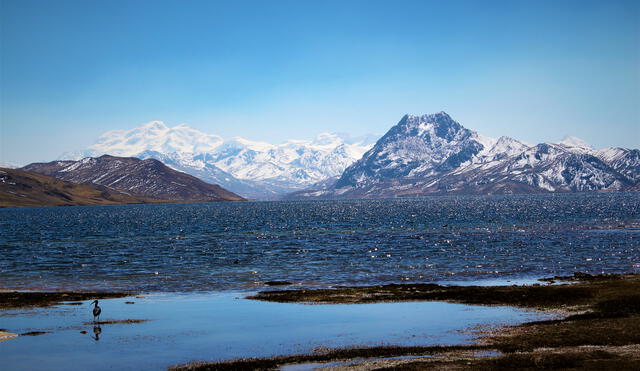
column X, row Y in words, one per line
column 599, row 328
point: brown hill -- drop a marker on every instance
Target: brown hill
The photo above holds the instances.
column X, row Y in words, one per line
column 22, row 188
column 148, row 178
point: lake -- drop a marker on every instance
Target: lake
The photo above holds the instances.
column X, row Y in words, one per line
column 213, row 247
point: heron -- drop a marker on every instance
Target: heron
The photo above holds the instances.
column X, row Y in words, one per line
column 96, row 311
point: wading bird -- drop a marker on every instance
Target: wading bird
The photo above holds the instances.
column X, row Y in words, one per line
column 96, row 311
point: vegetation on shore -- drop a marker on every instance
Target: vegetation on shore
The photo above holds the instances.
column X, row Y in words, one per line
column 19, row 299
column 602, row 333
column 591, row 288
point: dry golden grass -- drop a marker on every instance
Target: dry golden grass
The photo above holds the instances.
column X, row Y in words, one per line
column 21, row 188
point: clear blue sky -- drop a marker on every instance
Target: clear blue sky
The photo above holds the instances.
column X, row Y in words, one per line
column 274, row 70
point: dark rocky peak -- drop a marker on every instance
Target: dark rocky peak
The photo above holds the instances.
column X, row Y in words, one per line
column 432, row 131
column 437, row 124
column 440, row 118
column 415, row 146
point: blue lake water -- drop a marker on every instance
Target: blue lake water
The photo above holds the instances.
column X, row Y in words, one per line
column 210, row 327
column 196, row 262
column 215, row 247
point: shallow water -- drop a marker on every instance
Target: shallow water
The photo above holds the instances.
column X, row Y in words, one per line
column 238, row 246
column 190, row 327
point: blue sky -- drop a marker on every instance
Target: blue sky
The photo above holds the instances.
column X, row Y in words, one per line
column 276, row 70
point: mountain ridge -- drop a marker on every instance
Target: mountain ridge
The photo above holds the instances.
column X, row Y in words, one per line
column 149, row 178
column 22, row 188
column 434, row 154
column 254, row 169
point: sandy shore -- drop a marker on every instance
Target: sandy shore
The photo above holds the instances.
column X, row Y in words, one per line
column 600, row 328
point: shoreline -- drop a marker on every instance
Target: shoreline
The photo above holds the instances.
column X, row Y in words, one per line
column 598, row 325
column 27, row 299
column 600, row 328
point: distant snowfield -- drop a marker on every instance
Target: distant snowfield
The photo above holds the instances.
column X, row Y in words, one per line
column 253, row 169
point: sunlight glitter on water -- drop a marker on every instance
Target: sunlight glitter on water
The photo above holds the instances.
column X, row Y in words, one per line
column 238, row 246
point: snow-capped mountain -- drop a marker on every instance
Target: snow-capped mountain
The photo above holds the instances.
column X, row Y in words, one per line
column 417, row 146
column 626, row 161
column 433, row 154
column 253, row 169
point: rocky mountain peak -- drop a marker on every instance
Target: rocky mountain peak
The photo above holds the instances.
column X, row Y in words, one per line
column 434, row 119
column 434, row 154
column 431, row 117
column 430, row 126
column 415, row 146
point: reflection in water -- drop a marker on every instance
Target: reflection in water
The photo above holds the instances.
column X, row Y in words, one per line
column 97, row 330
column 221, row 326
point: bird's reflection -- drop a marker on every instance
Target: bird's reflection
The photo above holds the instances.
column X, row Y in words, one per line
column 97, row 330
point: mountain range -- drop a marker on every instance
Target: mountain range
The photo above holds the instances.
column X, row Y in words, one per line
column 420, row 155
column 258, row 170
column 132, row 176
column 22, row 188
column 434, row 154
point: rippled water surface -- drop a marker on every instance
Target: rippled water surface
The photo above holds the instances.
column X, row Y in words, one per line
column 238, row 246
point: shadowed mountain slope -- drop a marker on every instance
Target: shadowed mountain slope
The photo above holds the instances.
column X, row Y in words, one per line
column 149, row 178
column 22, row 188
